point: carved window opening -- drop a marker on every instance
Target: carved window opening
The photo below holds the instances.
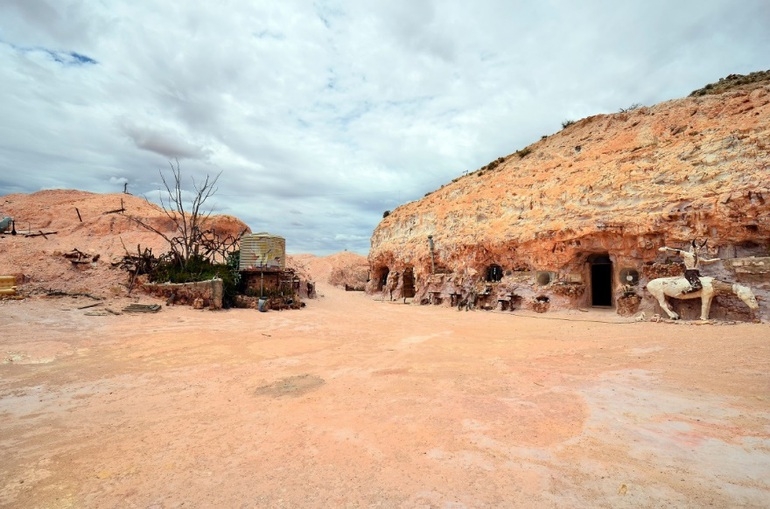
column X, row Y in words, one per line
column 544, row 278
column 749, row 248
column 629, row 276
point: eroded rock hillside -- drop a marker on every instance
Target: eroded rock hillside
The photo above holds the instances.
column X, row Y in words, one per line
column 55, row 224
column 576, row 219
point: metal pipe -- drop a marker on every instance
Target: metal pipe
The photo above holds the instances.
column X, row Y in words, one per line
column 432, row 261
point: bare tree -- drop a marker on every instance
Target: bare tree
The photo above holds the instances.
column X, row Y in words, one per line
column 189, row 239
column 188, row 224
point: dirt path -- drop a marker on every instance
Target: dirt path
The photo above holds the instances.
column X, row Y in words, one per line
column 352, row 402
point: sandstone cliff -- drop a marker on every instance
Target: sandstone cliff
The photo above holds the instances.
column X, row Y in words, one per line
column 606, row 190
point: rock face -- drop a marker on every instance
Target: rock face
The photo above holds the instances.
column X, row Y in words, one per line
column 577, row 218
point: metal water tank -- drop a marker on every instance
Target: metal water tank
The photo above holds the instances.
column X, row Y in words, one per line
column 260, row 251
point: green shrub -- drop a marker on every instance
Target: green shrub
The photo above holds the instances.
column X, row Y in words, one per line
column 567, row 123
column 200, row 269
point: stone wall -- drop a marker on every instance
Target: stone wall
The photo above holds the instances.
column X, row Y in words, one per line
column 200, row 294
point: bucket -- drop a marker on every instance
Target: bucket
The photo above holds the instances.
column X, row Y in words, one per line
column 262, row 304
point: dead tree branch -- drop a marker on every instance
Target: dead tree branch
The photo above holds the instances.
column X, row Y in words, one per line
column 189, row 239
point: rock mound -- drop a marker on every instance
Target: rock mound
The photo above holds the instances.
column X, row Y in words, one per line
column 62, row 222
column 343, row 269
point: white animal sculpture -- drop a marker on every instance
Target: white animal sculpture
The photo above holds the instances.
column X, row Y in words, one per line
column 676, row 287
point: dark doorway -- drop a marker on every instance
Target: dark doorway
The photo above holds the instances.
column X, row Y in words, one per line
column 408, row 283
column 601, row 280
column 382, row 278
column 494, row 273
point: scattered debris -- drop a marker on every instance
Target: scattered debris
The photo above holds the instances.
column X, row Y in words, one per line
column 102, row 312
column 142, row 308
column 90, row 305
column 116, row 211
column 76, row 256
column 59, row 293
column 30, row 233
column 144, row 262
column 97, row 312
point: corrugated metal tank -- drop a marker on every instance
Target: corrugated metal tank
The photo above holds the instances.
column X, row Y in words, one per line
column 262, row 251
column 7, row 285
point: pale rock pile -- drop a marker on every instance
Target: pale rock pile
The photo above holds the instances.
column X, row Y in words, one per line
column 65, row 222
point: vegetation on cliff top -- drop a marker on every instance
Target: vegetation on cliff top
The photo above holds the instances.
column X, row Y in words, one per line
column 730, row 82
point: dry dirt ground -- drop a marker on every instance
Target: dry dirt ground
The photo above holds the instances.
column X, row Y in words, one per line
column 353, row 402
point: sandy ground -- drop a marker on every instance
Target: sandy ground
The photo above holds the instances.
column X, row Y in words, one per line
column 353, row 402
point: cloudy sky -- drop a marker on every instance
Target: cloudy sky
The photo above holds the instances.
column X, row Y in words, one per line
column 320, row 115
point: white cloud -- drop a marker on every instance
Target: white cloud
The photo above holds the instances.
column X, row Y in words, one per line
column 322, row 115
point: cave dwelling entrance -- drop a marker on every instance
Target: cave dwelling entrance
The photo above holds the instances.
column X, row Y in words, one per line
column 381, row 276
column 601, row 280
column 408, row 288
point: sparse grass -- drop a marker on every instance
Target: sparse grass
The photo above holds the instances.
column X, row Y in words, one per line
column 730, row 82
column 565, row 124
column 633, row 107
column 524, row 152
column 491, row 166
